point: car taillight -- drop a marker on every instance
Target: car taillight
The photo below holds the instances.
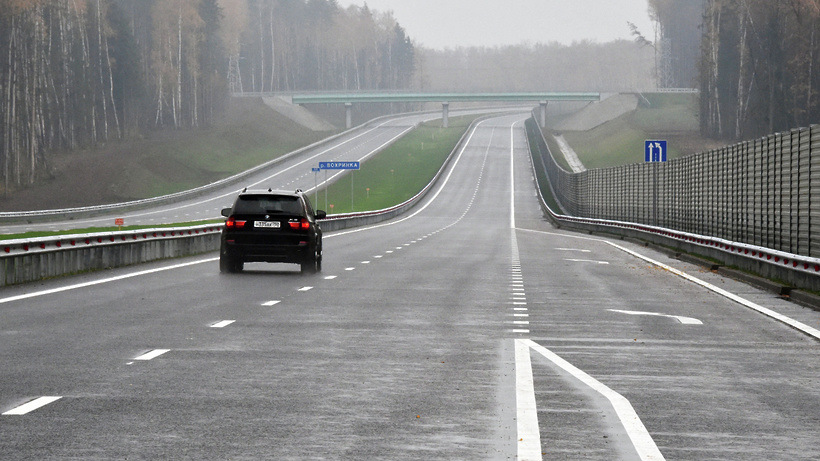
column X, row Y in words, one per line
column 299, row 223
column 233, row 223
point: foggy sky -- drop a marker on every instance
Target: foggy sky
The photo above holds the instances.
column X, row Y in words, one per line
column 443, row 24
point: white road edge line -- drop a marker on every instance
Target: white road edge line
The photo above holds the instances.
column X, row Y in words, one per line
column 31, row 406
column 814, row 332
column 679, row 318
column 641, row 440
column 423, row 207
column 529, row 435
column 101, row 281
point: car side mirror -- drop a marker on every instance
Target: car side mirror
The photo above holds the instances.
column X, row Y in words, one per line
column 320, row 214
column 226, row 212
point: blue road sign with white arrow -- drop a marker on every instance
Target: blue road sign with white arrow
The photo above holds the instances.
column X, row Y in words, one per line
column 655, row 151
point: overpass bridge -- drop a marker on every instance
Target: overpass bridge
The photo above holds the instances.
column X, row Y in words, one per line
column 350, row 98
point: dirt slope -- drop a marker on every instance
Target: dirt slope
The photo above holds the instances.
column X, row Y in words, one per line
column 164, row 162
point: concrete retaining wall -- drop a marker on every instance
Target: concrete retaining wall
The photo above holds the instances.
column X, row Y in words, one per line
column 29, row 260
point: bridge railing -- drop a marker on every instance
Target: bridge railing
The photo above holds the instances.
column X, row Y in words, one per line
column 762, row 196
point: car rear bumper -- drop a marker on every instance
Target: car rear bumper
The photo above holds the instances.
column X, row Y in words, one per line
column 270, row 253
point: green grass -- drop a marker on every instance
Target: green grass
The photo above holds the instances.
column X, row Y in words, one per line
column 393, row 176
column 621, row 141
column 92, row 230
column 614, row 143
column 250, row 135
column 398, row 173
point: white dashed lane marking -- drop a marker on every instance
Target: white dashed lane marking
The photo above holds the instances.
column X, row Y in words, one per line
column 31, row 406
column 152, row 354
column 222, row 324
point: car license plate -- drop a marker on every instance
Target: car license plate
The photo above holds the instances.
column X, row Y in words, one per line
column 267, row 224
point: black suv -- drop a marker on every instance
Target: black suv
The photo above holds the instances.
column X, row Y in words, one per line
column 271, row 226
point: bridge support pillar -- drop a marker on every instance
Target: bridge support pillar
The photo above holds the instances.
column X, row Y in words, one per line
column 445, row 114
column 543, row 114
column 348, row 115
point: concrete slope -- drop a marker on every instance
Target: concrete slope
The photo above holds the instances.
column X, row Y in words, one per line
column 298, row 114
column 598, row 113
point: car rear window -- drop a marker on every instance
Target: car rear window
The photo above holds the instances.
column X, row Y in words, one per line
column 268, row 204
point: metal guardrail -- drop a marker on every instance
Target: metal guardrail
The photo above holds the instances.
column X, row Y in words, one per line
column 29, row 259
column 733, row 204
column 170, row 198
column 144, row 203
column 36, row 245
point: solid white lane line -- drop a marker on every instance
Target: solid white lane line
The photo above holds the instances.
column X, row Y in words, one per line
column 152, row 354
column 31, row 406
column 222, row 324
column 271, row 303
column 641, row 440
column 432, row 199
column 101, row 281
column 814, row 332
column 681, row 319
column 529, row 435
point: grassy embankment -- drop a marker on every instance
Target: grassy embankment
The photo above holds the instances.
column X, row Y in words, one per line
column 393, row 176
column 621, row 141
column 397, row 173
column 253, row 135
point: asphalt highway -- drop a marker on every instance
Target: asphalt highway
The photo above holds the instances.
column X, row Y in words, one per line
column 470, row 328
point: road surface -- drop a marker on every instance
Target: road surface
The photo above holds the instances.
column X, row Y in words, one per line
column 468, row 329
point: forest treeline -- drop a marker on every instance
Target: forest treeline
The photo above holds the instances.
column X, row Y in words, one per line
column 76, row 73
column 757, row 62
column 759, row 69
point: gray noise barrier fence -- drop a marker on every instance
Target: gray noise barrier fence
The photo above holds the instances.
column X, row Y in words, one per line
column 756, row 201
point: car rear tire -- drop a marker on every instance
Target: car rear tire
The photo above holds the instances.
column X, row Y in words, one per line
column 229, row 263
column 312, row 265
